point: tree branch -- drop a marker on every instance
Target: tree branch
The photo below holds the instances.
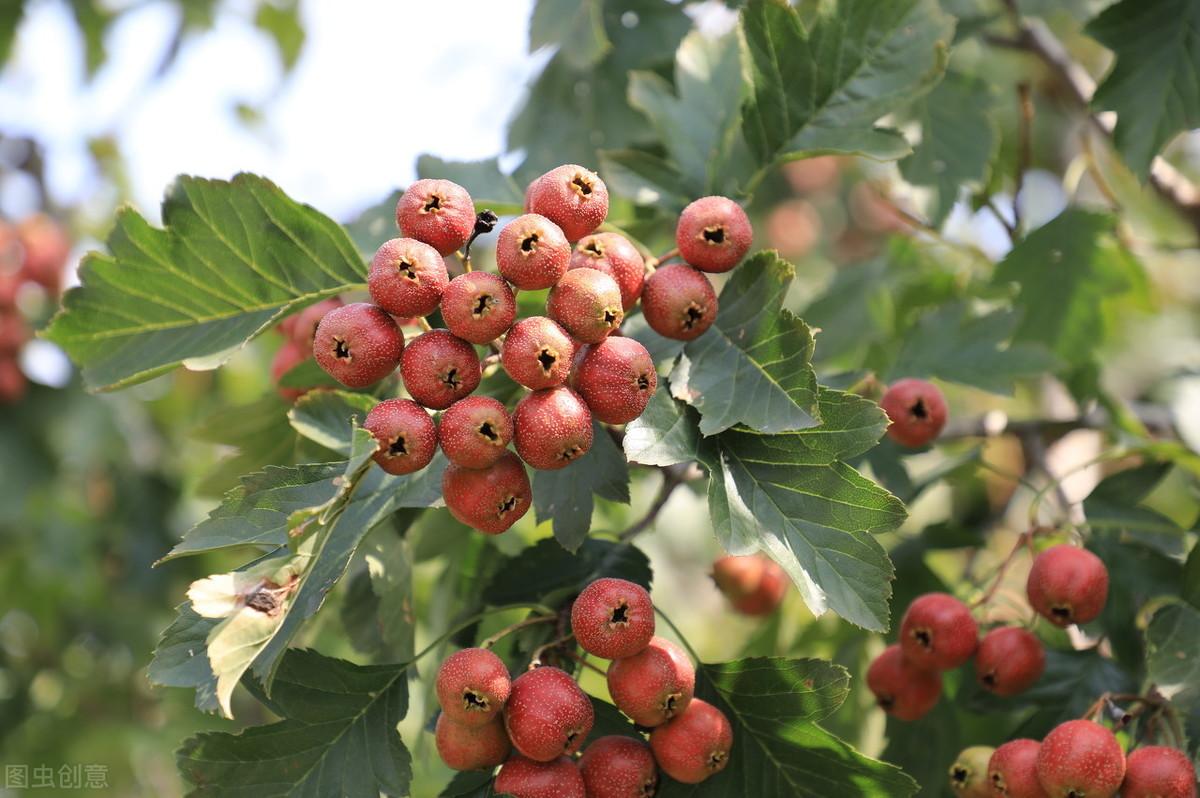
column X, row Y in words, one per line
column 1155, row 417
column 673, row 477
column 1035, row 38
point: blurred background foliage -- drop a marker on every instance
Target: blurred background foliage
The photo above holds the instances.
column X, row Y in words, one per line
column 96, row 488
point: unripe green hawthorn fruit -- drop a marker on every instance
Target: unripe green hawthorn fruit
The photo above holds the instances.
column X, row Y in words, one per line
column 537, row 353
column 612, row 254
column 969, row 773
column 406, row 434
column 358, row 345
column 917, row 411
column 695, row 744
column 587, row 303
column 552, row 428
column 532, row 253
column 1067, row 585
column 471, row 747
column 613, row 618
column 437, row 212
column 472, row 686
column 474, row 432
column 547, row 715
column 1009, row 661
column 679, row 302
column 619, row 767
column 616, row 378
column 572, row 197
column 901, row 689
column 302, row 327
column 938, row 632
column 488, row 499
column 754, row 584
column 478, row 307
column 654, row 685
column 407, row 278
column 1080, row 759
column 439, row 369
column 522, row 777
column 1012, row 770
column 1156, row 772
column 713, row 234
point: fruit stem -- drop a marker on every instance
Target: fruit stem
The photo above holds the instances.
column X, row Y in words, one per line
column 1023, row 540
column 654, row 263
column 506, row 631
column 672, row 479
column 423, row 322
column 476, row 618
column 571, row 655
column 539, row 652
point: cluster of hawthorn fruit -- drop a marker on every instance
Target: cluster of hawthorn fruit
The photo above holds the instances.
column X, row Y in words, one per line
column 546, row 717
column 574, row 361
column 33, row 254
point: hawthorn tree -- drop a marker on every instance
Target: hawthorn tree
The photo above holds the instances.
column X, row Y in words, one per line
column 953, row 104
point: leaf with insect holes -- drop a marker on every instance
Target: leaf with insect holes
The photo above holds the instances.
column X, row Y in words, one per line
column 337, row 736
column 234, row 257
column 754, row 365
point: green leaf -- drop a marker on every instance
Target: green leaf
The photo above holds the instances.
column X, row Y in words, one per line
column 666, row 433
column 181, row 658
column 389, row 562
column 816, row 519
column 958, row 140
column 1117, row 505
column 951, row 344
column 644, row 178
column 1152, row 85
column 1137, row 575
column 565, row 496
column 325, row 417
column 488, row 186
column 282, row 23
column 258, row 433
column 821, row 90
column 546, row 569
column 307, row 374
column 699, row 120
column 338, row 736
column 1068, row 270
column 374, row 225
column 576, row 27
column 753, row 366
column 925, row 748
column 779, row 750
column 1172, row 640
column 1191, row 578
column 470, row 784
column 233, row 258
column 10, row 20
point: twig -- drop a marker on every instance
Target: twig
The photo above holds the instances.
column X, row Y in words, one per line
column 673, row 477
column 571, row 655
column 1023, row 540
column 423, row 323
column 1024, row 145
column 536, row 659
column 1156, row 419
column 506, row 631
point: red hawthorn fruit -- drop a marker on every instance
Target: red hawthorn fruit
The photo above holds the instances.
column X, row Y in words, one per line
column 901, row 689
column 619, row 767
column 552, row 428
column 1080, row 758
column 587, row 303
column 969, row 773
column 695, row 744
column 1009, row 661
column 488, row 499
column 439, row 368
column 572, row 197
column 1067, row 585
column 12, row 381
column 302, row 327
column 755, row 585
column 938, row 632
column 14, row 332
column 287, row 357
column 358, row 345
column 713, row 234
column 537, row 353
column 439, row 213
column 613, row 618
column 616, row 378
column 547, row 715
column 917, row 411
column 654, row 685
column 474, row 432
column 45, row 247
column 471, row 747
column 679, row 302
column 407, row 278
column 532, row 253
column 407, row 436
column 472, row 686
column 524, row 778
column 614, row 255
column 478, row 307
column 1158, row 772
column 1012, row 771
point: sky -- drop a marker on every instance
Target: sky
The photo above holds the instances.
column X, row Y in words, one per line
column 379, row 83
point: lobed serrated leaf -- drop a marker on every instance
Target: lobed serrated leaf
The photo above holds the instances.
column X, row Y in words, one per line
column 325, row 417
column 546, row 569
column 666, row 433
column 565, row 496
